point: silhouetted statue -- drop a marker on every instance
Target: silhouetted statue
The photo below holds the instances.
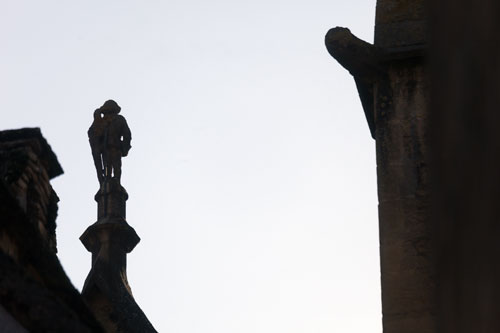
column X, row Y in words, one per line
column 109, row 138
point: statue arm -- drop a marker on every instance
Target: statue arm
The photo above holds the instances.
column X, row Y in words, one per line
column 92, row 130
column 127, row 137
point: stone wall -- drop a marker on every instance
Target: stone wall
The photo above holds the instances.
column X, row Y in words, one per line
column 406, row 254
column 25, row 176
column 35, row 293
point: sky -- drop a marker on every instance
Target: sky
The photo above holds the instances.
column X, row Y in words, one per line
column 252, row 175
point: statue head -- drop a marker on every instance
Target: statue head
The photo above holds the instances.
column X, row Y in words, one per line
column 110, row 107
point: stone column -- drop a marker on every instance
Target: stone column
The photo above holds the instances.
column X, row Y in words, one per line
column 391, row 78
column 106, row 289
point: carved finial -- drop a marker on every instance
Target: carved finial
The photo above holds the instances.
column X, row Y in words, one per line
column 109, row 137
column 106, row 290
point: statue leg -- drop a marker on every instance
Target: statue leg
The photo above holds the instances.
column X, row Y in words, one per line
column 98, row 165
column 116, row 161
column 106, row 165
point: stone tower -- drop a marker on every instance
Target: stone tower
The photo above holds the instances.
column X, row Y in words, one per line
column 391, row 78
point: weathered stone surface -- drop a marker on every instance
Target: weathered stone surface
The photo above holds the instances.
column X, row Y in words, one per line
column 361, row 59
column 407, row 257
column 24, row 170
column 34, row 290
column 357, row 56
column 392, row 81
column 401, row 23
column 33, row 138
column 104, row 233
column 106, row 288
column 111, row 200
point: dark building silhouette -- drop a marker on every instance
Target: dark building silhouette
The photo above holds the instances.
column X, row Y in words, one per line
column 465, row 68
column 35, row 292
column 430, row 90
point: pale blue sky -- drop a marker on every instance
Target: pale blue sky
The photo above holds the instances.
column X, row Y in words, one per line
column 252, row 176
